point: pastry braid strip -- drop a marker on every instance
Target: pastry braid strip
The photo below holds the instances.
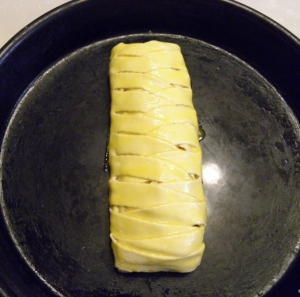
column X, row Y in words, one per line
column 157, row 205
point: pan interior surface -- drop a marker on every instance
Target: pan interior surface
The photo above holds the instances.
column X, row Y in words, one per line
column 56, row 204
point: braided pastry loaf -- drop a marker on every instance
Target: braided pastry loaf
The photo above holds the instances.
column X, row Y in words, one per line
column 157, row 205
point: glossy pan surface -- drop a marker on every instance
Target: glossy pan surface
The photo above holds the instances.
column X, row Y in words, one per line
column 55, row 105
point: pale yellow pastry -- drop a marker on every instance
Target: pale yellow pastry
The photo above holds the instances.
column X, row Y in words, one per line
column 157, row 205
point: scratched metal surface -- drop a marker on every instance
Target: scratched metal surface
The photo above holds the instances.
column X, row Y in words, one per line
column 58, row 214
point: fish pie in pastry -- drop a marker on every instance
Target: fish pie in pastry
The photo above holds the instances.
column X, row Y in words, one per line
column 157, row 205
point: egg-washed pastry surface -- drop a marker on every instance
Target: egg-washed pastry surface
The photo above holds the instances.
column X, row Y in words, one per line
column 157, row 205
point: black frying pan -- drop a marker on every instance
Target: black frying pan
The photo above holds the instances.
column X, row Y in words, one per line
column 54, row 121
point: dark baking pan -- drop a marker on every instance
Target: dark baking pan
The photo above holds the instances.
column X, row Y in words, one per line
column 55, row 103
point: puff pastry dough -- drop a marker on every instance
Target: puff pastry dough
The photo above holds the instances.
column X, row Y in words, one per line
column 157, row 205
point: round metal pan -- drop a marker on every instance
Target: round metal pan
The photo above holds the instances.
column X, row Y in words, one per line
column 54, row 121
